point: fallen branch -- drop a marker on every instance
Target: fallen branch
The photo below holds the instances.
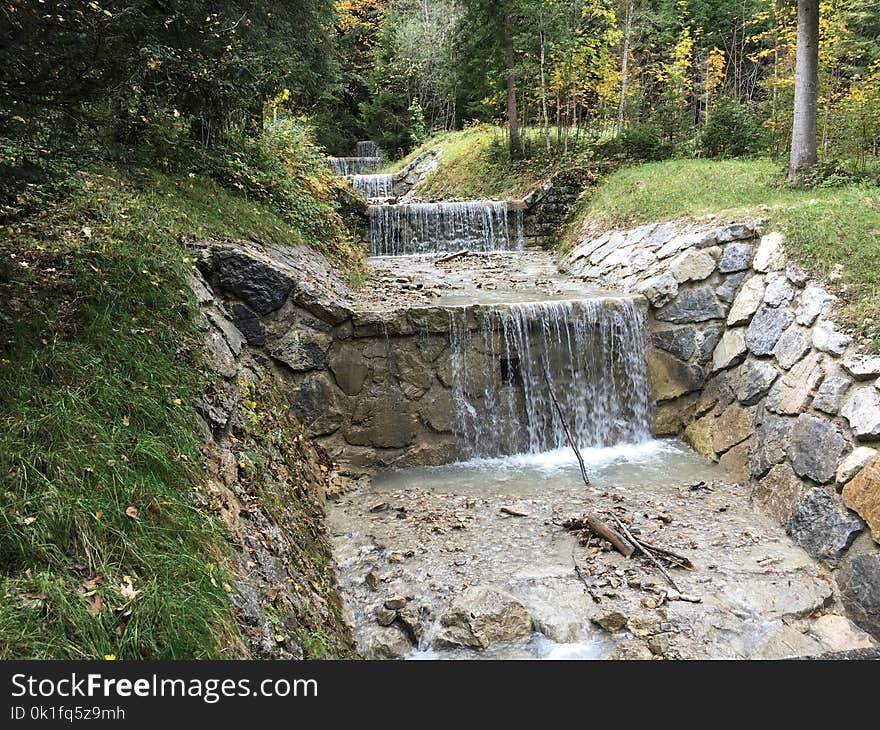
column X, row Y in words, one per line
column 626, row 544
column 565, row 427
column 450, row 256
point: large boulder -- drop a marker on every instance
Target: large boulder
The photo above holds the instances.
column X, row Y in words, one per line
column 780, row 492
column 862, row 367
column 813, row 302
column 734, row 425
column 681, row 342
column 815, row 448
column 791, row 347
column 823, row 526
column 770, row 255
column 692, row 265
column 262, row 286
column 792, row 393
column 779, row 291
column 827, row 338
column 480, row 617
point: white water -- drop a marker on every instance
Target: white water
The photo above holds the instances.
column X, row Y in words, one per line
column 479, row 225
column 344, row 166
column 374, row 187
column 594, row 354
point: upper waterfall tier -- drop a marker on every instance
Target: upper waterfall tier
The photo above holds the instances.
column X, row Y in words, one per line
column 343, row 166
column 480, row 225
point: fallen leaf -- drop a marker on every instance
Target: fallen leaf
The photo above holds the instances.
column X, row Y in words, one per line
column 132, row 512
column 125, row 421
column 99, row 514
column 95, row 602
column 127, row 589
column 110, row 657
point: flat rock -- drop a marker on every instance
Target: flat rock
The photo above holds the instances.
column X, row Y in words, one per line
column 784, row 594
column 262, row 286
column 813, row 302
column 791, row 347
column 765, row 330
column 823, row 526
column 631, row 650
column 815, row 448
column 786, row 642
column 862, row 494
column 853, row 462
column 755, row 379
column 736, row 257
column 692, row 265
column 747, row 301
column 862, row 367
column 859, row 583
column 770, row 255
column 829, row 397
column 862, row 411
column 480, row 617
column 730, row 350
column 691, row 305
column 838, row 633
column 827, row 338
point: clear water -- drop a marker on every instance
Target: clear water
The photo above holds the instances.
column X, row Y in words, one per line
column 660, row 461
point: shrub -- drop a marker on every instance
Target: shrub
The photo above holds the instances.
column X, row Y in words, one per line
column 730, row 131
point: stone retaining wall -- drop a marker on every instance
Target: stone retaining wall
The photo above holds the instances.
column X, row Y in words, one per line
column 747, row 364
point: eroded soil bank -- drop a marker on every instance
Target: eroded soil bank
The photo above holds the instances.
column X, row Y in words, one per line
column 472, row 561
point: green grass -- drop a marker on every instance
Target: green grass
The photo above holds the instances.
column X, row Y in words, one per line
column 475, row 164
column 100, row 367
column 823, row 227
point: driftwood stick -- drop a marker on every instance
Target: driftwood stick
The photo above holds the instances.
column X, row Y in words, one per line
column 644, row 551
column 669, row 555
column 621, row 544
column 596, row 525
column 626, row 544
column 565, row 427
column 450, row 256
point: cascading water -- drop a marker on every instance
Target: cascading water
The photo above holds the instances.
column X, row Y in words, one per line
column 367, row 148
column 374, row 187
column 344, row 166
column 594, row 353
column 481, row 225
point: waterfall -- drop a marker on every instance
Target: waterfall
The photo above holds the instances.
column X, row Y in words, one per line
column 344, row 166
column 367, row 148
column 594, row 351
column 480, row 225
column 374, row 187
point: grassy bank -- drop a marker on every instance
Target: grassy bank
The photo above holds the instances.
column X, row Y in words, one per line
column 102, row 551
column 475, row 164
column 824, row 227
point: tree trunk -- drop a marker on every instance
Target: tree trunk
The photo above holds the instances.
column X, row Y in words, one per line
column 544, row 97
column 510, row 68
column 624, row 65
column 806, row 80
